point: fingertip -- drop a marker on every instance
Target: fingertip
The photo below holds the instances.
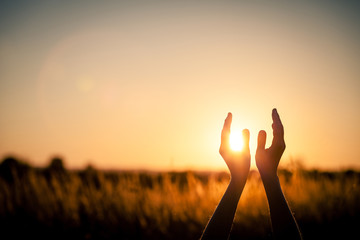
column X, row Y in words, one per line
column 246, row 134
column 246, row 137
column 274, row 112
column 261, row 139
column 226, row 130
column 229, row 115
column 246, row 131
column 228, row 119
column 275, row 116
column 262, row 133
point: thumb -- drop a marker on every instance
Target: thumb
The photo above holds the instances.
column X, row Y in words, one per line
column 261, row 140
column 246, row 137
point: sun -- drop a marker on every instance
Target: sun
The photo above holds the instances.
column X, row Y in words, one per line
column 236, row 140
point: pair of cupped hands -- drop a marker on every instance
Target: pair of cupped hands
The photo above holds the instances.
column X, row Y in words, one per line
column 267, row 159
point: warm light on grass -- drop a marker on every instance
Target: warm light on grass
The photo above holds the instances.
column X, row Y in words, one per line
column 236, row 140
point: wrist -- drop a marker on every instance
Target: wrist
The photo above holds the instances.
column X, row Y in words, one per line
column 238, row 180
column 269, row 177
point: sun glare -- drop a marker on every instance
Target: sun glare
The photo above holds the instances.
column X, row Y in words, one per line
column 236, row 140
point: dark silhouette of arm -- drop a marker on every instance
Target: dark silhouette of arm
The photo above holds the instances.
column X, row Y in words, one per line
column 238, row 163
column 267, row 160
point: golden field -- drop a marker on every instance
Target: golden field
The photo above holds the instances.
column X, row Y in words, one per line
column 56, row 203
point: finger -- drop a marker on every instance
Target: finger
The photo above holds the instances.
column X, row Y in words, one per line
column 261, row 140
column 246, row 137
column 225, row 133
column 278, row 129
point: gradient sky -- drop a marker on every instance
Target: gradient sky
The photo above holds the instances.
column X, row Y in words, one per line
column 148, row 84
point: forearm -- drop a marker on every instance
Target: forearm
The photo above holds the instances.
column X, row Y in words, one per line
column 220, row 223
column 282, row 221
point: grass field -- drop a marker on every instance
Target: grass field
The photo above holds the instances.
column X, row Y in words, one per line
column 55, row 203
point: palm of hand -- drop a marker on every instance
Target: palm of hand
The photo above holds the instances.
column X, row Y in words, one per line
column 238, row 162
column 267, row 160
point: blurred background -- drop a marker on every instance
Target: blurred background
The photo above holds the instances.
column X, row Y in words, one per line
column 147, row 84
column 111, row 113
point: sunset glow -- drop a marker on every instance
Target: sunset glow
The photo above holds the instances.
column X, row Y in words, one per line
column 148, row 85
column 236, row 140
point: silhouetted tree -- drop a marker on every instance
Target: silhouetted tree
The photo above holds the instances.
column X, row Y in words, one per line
column 12, row 169
column 57, row 165
column 56, row 169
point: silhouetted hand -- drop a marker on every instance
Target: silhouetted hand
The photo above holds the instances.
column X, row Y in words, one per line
column 267, row 160
column 238, row 162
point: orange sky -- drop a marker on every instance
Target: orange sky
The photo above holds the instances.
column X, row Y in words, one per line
column 149, row 85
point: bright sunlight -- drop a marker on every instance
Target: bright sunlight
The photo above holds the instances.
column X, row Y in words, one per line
column 236, row 140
